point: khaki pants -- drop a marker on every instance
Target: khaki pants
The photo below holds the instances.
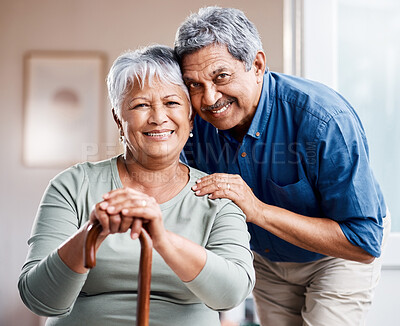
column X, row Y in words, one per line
column 327, row 292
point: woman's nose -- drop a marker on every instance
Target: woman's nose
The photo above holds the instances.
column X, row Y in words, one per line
column 158, row 115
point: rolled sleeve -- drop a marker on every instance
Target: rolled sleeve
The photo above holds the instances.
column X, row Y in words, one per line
column 349, row 192
column 227, row 285
column 228, row 276
column 40, row 286
column 364, row 233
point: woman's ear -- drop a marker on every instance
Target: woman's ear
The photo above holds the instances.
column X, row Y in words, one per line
column 116, row 119
column 260, row 64
column 119, row 124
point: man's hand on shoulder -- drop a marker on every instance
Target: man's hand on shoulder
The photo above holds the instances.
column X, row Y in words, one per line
column 233, row 187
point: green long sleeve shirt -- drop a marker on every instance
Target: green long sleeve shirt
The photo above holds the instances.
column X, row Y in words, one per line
column 107, row 294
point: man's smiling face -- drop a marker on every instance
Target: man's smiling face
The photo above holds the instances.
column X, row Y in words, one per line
column 221, row 90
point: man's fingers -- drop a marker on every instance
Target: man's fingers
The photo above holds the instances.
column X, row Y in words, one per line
column 209, row 186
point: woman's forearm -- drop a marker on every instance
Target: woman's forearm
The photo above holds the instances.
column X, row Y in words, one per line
column 183, row 256
column 71, row 252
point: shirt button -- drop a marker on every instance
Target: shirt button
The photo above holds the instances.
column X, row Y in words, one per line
column 257, row 134
column 267, row 250
column 243, row 154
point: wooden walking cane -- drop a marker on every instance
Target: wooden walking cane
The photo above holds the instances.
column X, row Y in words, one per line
column 143, row 304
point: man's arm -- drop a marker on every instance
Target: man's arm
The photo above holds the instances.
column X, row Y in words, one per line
column 315, row 234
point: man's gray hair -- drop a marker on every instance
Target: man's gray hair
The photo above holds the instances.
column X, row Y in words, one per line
column 222, row 26
column 142, row 65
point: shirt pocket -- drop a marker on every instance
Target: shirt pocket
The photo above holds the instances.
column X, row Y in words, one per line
column 297, row 197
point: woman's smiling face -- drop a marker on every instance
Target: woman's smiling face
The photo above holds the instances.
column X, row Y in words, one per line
column 155, row 121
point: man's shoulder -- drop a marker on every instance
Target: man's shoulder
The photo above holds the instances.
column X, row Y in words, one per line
column 309, row 97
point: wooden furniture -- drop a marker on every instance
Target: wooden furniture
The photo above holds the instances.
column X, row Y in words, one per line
column 143, row 305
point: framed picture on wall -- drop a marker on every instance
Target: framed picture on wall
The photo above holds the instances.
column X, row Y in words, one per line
column 64, row 95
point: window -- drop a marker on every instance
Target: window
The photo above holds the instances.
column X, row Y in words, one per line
column 354, row 47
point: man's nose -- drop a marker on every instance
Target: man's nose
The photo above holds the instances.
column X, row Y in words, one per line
column 211, row 95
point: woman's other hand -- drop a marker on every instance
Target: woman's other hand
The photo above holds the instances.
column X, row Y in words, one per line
column 126, row 208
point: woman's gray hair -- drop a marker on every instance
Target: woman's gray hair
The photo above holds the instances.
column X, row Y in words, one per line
column 223, row 26
column 142, row 65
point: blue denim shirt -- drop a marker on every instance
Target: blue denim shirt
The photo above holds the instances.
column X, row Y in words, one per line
column 305, row 151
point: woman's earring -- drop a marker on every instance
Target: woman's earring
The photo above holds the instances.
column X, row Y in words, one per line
column 191, row 134
column 122, row 140
column 121, row 137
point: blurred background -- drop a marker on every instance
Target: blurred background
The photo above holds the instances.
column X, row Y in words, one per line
column 353, row 46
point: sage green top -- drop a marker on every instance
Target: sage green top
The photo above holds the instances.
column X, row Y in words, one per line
column 106, row 295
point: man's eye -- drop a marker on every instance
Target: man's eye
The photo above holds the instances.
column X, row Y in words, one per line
column 193, row 85
column 222, row 77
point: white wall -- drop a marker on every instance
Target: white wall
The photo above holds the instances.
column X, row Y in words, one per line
column 95, row 25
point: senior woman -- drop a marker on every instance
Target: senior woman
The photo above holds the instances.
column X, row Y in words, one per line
column 203, row 263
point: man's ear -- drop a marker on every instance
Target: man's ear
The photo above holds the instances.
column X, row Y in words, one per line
column 260, row 64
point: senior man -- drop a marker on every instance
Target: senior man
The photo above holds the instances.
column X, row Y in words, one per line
column 293, row 155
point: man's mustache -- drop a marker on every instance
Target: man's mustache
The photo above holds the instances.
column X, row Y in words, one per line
column 218, row 104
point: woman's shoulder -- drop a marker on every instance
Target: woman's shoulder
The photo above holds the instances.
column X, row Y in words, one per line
column 219, row 203
column 83, row 178
column 195, row 173
column 86, row 170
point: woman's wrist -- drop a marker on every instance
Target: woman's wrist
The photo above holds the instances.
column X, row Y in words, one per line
column 71, row 252
column 162, row 242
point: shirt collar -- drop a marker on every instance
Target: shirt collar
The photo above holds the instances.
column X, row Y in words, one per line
column 259, row 123
column 263, row 110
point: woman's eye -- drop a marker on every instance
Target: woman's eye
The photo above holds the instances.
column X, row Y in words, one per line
column 172, row 103
column 138, row 106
